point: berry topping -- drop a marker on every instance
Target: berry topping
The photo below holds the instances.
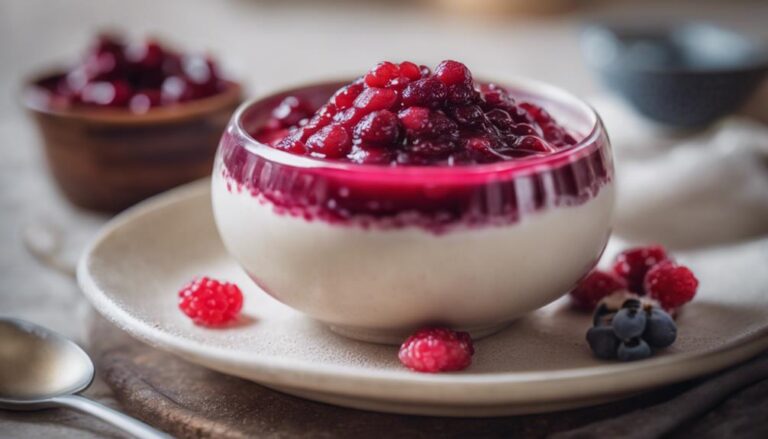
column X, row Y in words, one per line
column 671, row 284
column 410, row 70
column 209, row 302
column 453, row 73
column 437, row 350
column 380, row 75
column 136, row 76
column 345, row 97
column 443, row 118
column 634, row 263
column 380, row 127
column 373, row 99
column 291, row 111
column 426, row 92
column 331, row 141
column 596, row 286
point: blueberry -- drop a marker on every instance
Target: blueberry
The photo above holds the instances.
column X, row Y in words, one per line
column 603, row 342
column 603, row 316
column 660, row 329
column 631, row 303
column 629, row 323
column 635, row 349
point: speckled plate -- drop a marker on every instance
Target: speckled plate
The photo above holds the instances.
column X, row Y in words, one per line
column 132, row 270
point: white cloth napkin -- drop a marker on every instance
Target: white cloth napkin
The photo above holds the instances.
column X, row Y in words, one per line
column 688, row 190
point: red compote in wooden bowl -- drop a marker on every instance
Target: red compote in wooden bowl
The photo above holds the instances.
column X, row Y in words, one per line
column 129, row 121
column 408, row 198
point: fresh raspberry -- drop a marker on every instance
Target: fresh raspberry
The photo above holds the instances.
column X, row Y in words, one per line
column 671, row 284
column 437, row 350
column 634, row 263
column 209, row 302
column 595, row 287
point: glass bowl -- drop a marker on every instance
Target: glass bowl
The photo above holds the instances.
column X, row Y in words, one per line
column 377, row 251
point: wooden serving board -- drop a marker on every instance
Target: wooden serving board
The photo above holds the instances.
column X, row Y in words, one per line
column 190, row 401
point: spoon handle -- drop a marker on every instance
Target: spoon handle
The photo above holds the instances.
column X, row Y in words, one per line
column 126, row 423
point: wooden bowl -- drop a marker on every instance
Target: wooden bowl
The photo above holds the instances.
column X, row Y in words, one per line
column 110, row 159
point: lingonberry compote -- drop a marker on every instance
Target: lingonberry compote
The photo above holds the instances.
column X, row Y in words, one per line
column 411, row 198
column 404, row 114
column 137, row 76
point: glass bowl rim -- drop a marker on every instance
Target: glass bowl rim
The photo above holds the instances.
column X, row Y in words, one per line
column 515, row 166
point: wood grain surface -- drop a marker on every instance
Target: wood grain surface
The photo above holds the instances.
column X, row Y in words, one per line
column 190, row 401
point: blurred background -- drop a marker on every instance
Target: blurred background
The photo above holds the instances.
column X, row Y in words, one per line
column 267, row 45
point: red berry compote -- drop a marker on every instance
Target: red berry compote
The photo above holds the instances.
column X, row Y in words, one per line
column 406, row 115
column 136, row 76
column 413, row 197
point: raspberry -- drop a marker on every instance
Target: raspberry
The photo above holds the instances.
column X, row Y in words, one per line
column 209, row 302
column 671, row 284
column 634, row 263
column 437, row 350
column 596, row 286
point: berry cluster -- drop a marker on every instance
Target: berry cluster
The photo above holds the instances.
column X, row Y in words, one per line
column 631, row 332
column 406, row 114
column 209, row 302
column 134, row 76
column 437, row 350
column 641, row 270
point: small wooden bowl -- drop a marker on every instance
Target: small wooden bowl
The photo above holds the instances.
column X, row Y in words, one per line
column 110, row 159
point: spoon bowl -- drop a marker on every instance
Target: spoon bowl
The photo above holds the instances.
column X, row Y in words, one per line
column 39, row 364
column 40, row 369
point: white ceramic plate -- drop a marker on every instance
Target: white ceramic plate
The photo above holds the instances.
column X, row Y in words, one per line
column 132, row 270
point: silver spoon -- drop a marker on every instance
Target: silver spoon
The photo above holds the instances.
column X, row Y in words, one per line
column 40, row 369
